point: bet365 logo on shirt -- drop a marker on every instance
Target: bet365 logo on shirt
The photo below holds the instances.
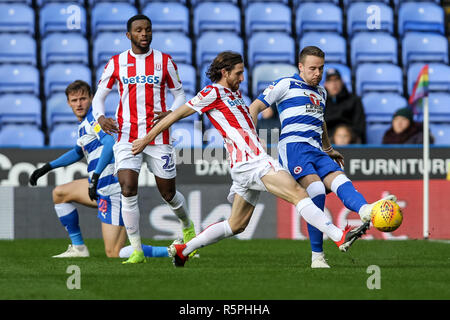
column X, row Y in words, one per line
column 150, row 79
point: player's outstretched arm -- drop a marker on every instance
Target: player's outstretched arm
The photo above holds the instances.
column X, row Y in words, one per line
column 255, row 108
column 66, row 159
column 180, row 113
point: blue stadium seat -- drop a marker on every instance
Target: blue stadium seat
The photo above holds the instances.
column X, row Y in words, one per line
column 439, row 107
column 178, row 45
column 92, row 3
column 62, row 17
column 20, row 108
column 375, row 132
column 267, row 16
column 438, row 76
column 16, row 18
column 297, row 3
column 111, row 17
column 108, row 44
column 58, row 111
column 211, row 43
column 381, row 107
column 213, row 138
column 186, row 135
column 209, row 16
column 348, row 3
column 373, row 47
column 41, row 3
column 318, row 17
column 270, row 47
column 27, row 2
column 343, row 70
column 188, row 77
column 168, row 16
column 441, row 133
column 64, row 136
column 21, row 136
column 17, row 48
column 204, row 80
column 360, row 17
column 19, row 78
column 194, row 3
column 381, row 77
column 332, row 44
column 424, row 47
column 64, row 48
column 58, row 76
column 420, row 16
column 266, row 73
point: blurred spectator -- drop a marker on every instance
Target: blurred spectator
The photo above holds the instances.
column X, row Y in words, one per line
column 342, row 135
column 343, row 107
column 404, row 129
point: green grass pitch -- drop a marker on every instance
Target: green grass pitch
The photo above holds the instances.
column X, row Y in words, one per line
column 230, row 270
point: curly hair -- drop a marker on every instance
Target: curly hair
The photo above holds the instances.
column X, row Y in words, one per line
column 224, row 60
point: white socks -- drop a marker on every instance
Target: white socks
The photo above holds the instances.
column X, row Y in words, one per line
column 178, row 206
column 315, row 189
column 315, row 217
column 131, row 215
column 210, row 235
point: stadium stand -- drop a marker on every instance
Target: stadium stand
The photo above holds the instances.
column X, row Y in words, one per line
column 441, row 133
column 345, row 72
column 64, row 48
column 20, row 108
column 223, row 17
column 319, row 17
column 375, row 132
column 265, row 73
column 19, row 78
column 106, row 45
column 373, row 47
column 178, row 45
column 16, row 17
column 424, row 47
column 209, row 44
column 62, row 17
column 21, row 136
column 273, row 47
column 381, row 107
column 59, row 76
column 360, row 17
column 380, row 77
column 271, row 16
column 168, row 16
column 438, row 76
column 420, row 16
column 111, row 17
column 58, row 111
column 332, row 44
column 17, row 48
column 64, row 135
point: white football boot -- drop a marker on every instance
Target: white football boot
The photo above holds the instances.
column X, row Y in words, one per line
column 74, row 252
column 319, row 262
column 365, row 213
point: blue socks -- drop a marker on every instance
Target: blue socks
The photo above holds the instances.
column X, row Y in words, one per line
column 350, row 197
column 155, row 252
column 68, row 215
column 316, row 191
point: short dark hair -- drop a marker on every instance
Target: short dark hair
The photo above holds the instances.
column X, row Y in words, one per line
column 225, row 59
column 137, row 17
column 310, row 51
column 78, row 85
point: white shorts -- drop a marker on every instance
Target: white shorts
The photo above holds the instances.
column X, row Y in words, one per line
column 247, row 178
column 160, row 159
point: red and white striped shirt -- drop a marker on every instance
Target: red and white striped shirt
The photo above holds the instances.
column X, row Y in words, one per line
column 228, row 113
column 142, row 80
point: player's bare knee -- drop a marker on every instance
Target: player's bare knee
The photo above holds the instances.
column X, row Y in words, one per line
column 112, row 252
column 58, row 195
column 128, row 191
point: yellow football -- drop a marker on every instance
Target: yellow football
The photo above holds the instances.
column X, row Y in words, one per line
column 386, row 216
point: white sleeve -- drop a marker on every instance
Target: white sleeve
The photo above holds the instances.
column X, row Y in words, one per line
column 98, row 103
column 179, row 98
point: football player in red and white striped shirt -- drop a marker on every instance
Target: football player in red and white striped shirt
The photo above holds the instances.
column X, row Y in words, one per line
column 142, row 75
column 252, row 169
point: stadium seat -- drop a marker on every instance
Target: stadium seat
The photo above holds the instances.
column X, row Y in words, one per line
column 373, row 47
column 420, row 16
column 212, row 43
column 297, row 3
column 92, row 3
column 19, row 78
column 58, row 111
column 194, row 3
column 20, row 108
column 274, row 47
column 168, row 16
column 204, row 80
column 64, row 136
column 439, row 106
column 213, row 138
column 441, row 133
column 343, row 70
column 220, row 16
column 438, row 76
column 58, row 76
column 267, row 16
column 21, row 136
column 332, row 44
column 111, row 17
column 62, row 17
column 348, row 3
column 381, row 107
column 41, row 3
column 375, row 132
column 381, row 77
column 28, row 2
column 16, row 17
column 318, row 17
column 17, row 48
column 361, row 17
column 266, row 73
column 188, row 76
column 424, row 47
column 178, row 45
column 245, row 3
column 64, row 48
column 106, row 45
column 186, row 135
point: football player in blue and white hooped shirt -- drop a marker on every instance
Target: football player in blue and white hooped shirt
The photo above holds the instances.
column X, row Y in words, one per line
column 304, row 148
column 101, row 191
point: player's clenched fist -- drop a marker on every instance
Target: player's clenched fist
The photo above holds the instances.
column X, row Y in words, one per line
column 39, row 173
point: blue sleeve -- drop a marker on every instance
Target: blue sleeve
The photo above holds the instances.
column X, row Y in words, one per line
column 107, row 153
column 71, row 156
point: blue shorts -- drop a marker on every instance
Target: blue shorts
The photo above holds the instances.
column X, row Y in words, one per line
column 302, row 159
column 110, row 209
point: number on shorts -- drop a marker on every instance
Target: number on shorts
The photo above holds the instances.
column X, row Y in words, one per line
column 168, row 164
